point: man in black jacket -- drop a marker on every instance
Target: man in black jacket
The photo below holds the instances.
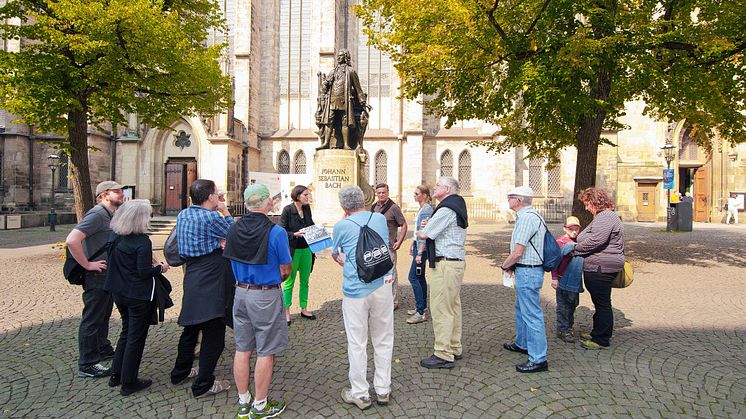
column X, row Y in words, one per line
column 446, row 237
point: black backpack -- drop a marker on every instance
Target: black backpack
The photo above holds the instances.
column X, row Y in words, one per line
column 552, row 256
column 372, row 254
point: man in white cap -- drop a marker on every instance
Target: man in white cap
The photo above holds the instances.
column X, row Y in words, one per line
column 525, row 262
column 86, row 243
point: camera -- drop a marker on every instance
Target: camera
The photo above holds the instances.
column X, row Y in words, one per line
column 418, row 270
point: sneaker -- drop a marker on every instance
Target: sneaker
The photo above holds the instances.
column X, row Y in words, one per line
column 193, row 372
column 417, row 318
column 414, row 310
column 361, row 402
column 272, row 409
column 383, row 399
column 589, row 344
column 217, row 387
column 95, row 371
column 243, row 410
column 566, row 336
column 585, row 335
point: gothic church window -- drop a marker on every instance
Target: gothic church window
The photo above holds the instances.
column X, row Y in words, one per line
column 380, row 176
column 375, row 71
column 63, row 170
column 446, row 163
column 464, row 171
column 295, row 70
column 300, row 162
column 535, row 176
column 554, row 180
column 283, row 162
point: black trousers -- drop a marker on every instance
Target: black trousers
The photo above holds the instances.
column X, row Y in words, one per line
column 136, row 316
column 93, row 334
column 213, row 343
column 598, row 285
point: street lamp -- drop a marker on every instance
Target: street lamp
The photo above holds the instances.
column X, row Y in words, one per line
column 668, row 153
column 54, row 161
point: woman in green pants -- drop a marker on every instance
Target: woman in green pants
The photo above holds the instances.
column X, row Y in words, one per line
column 295, row 217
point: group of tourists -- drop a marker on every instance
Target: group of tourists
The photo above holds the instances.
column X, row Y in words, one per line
column 241, row 274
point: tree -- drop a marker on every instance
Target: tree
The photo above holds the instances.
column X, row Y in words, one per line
column 94, row 61
column 555, row 73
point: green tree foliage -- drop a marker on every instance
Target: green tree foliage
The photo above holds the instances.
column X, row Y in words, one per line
column 93, row 61
column 555, row 73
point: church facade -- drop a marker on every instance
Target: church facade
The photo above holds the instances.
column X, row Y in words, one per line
column 276, row 48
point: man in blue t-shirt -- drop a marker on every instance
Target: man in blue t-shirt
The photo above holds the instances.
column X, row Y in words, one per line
column 260, row 258
column 365, row 307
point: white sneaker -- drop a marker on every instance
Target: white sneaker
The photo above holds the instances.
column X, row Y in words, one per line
column 193, row 372
column 361, row 402
column 414, row 310
column 417, row 318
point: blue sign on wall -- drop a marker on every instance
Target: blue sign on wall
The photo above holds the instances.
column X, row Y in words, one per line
column 668, row 179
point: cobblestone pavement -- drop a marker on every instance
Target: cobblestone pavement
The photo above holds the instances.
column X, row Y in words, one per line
column 678, row 347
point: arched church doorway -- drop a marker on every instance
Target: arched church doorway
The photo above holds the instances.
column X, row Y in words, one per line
column 180, row 173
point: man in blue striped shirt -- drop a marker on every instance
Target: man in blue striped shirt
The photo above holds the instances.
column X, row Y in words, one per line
column 201, row 230
column 525, row 261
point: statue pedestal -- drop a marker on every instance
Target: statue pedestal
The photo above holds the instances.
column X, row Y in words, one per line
column 333, row 169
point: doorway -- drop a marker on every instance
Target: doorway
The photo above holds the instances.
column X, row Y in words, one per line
column 647, row 201
column 701, row 194
column 180, row 173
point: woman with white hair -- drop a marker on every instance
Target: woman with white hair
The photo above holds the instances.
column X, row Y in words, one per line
column 130, row 280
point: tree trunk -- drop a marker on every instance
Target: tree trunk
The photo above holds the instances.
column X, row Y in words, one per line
column 78, row 133
column 588, row 138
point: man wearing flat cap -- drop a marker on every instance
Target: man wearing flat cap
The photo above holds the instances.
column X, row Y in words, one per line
column 86, row 240
column 525, row 262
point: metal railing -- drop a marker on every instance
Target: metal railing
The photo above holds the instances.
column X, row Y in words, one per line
column 553, row 210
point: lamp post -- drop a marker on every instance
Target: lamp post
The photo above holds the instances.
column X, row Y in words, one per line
column 668, row 153
column 54, row 161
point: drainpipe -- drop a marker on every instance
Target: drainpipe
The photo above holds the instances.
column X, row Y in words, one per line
column 113, row 139
column 31, row 203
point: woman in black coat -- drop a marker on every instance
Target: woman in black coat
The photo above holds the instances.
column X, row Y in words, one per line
column 295, row 217
column 129, row 278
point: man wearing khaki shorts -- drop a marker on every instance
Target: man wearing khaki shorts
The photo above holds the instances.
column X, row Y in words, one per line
column 260, row 258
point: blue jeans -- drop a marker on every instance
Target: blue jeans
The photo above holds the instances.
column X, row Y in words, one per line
column 530, row 332
column 419, row 285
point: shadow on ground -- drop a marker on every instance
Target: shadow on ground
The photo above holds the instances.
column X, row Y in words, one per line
column 645, row 373
column 642, row 243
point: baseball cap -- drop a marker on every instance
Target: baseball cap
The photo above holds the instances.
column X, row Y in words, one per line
column 521, row 191
column 107, row 185
column 572, row 221
column 255, row 194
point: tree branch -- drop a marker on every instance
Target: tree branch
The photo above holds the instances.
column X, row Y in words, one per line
column 491, row 17
column 538, row 16
column 724, row 55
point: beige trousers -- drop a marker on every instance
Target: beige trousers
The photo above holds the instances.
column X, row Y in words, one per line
column 444, row 286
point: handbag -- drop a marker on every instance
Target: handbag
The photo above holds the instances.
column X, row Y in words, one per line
column 625, row 277
column 74, row 273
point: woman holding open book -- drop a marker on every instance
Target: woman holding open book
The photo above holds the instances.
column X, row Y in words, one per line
column 295, row 217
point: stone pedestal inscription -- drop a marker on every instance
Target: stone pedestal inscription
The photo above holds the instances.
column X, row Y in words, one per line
column 333, row 169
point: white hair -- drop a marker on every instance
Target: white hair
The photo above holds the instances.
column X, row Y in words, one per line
column 132, row 217
column 449, row 182
column 351, row 198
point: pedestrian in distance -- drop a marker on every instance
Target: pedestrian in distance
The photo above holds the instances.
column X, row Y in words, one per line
column 89, row 237
column 526, row 263
column 130, row 280
column 260, row 257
